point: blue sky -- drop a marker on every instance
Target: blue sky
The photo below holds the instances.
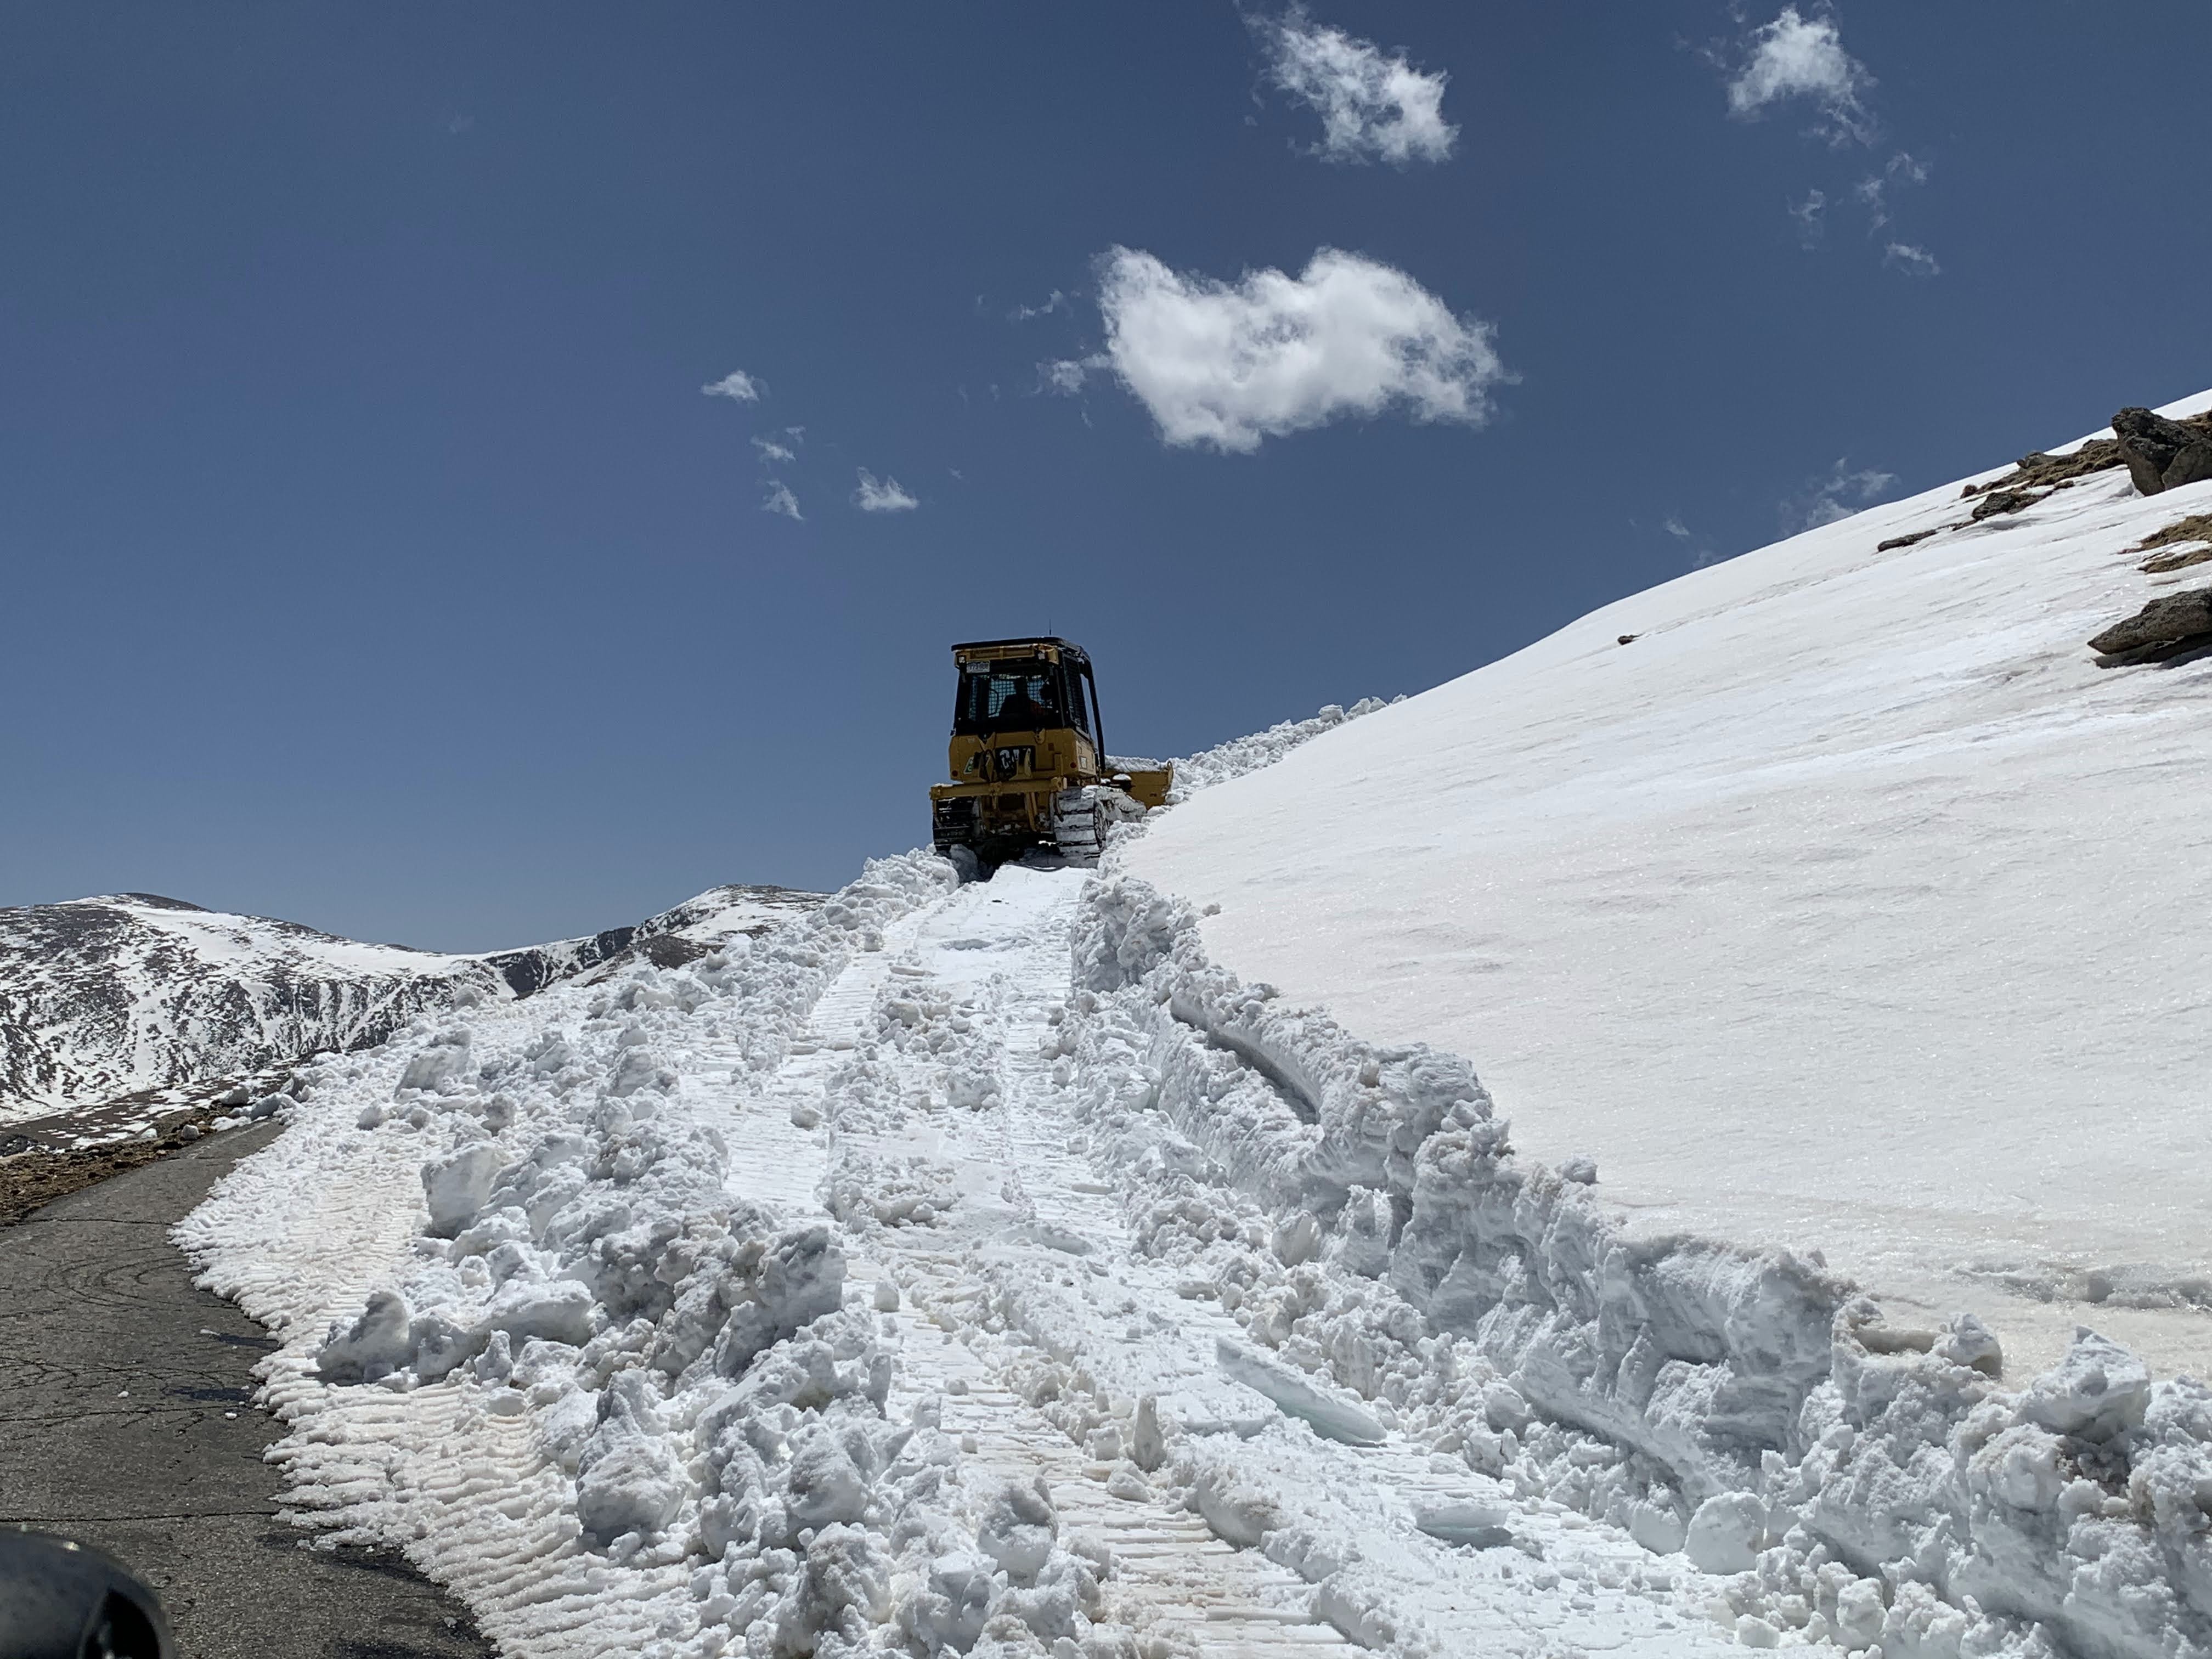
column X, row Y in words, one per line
column 373, row 557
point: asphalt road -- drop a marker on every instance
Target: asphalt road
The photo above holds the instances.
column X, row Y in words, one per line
column 127, row 1422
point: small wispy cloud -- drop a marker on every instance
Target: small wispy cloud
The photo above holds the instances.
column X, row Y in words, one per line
column 738, row 385
column 780, row 500
column 877, row 495
column 1811, row 225
column 1912, row 261
column 1873, row 191
column 1797, row 57
column 1845, row 490
column 1225, row 365
column 1698, row 551
column 1065, row 376
column 1059, row 301
column 772, row 453
column 1374, row 106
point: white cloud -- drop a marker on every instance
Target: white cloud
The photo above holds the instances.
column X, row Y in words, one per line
column 1811, row 227
column 1873, row 191
column 1227, row 365
column 771, row 451
column 780, row 500
column 1066, row 375
column 1800, row 57
column 1373, row 107
column 882, row 495
column 1838, row 496
column 1697, row 550
column 737, row 386
column 1912, row 261
column 1059, row 301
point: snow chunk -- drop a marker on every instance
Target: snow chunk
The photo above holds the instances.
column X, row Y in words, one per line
column 456, row 1185
column 627, row 1479
column 2098, row 1391
column 1726, row 1533
column 442, row 1060
column 371, row 1346
column 1020, row 1528
column 1332, row 1415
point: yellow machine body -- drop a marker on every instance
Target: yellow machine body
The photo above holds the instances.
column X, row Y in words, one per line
column 1027, row 760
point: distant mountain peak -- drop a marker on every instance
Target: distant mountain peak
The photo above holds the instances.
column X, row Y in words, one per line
column 121, row 992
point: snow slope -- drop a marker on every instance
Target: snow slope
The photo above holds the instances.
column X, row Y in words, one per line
column 1849, row 907
column 132, row 993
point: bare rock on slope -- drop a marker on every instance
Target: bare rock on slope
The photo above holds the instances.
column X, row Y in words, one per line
column 2162, row 454
column 2038, row 471
column 2173, row 620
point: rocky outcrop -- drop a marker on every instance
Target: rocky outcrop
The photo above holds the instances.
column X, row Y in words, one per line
column 2175, row 620
column 2161, row 454
column 2038, row 471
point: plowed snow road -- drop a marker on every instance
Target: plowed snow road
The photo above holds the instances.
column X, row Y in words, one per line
column 1024, row 1250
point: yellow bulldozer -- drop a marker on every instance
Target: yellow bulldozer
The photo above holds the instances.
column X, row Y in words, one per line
column 1029, row 761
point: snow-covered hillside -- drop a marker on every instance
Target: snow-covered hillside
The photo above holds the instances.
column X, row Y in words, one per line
column 107, row 997
column 1837, row 896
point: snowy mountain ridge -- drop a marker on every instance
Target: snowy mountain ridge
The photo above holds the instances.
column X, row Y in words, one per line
column 124, row 992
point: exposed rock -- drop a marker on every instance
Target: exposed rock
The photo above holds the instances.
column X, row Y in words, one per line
column 2173, row 620
column 2179, row 559
column 2008, row 501
column 2038, row 471
column 1907, row 541
column 2194, row 530
column 2162, row 454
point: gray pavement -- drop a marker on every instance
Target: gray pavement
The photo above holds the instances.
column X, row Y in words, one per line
column 126, row 1421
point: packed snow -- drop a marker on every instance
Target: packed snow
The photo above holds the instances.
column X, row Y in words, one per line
column 1842, row 908
column 1000, row 1269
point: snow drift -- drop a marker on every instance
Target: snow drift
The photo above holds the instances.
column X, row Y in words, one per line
column 1837, row 909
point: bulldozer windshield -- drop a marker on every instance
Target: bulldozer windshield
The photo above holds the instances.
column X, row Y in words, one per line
column 1017, row 696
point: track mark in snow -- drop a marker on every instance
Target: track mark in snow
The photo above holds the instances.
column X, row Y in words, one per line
column 1169, row 1568
column 1029, row 1318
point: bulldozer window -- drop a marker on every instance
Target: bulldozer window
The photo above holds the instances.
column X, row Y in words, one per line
column 1014, row 697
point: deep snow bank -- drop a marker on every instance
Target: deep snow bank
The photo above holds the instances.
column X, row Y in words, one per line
column 1249, row 753
column 1836, row 910
column 1871, row 1484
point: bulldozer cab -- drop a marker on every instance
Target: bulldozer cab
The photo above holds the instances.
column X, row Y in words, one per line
column 1028, row 760
column 1051, row 691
